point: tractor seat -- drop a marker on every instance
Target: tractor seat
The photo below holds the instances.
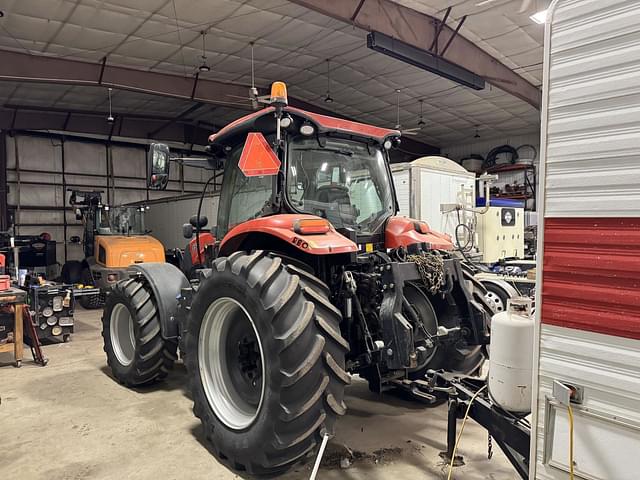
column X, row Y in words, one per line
column 338, row 199
column 333, row 193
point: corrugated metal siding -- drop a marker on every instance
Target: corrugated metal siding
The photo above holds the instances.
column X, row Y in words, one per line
column 39, row 168
column 593, row 118
column 591, row 275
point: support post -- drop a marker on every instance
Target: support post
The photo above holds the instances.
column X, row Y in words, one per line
column 453, row 35
column 64, row 200
column 440, row 24
column 3, row 182
column 452, row 430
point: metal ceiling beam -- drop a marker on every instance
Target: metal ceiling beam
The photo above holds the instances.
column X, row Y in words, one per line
column 180, row 116
column 23, row 67
column 36, row 68
column 95, row 123
column 420, row 30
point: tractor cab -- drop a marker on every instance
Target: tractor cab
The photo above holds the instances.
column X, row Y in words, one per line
column 283, row 160
column 113, row 239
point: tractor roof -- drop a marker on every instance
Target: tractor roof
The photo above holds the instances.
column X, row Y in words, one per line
column 324, row 123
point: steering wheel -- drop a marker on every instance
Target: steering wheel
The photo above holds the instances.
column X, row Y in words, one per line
column 341, row 190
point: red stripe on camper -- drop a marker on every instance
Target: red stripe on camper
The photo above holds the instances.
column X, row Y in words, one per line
column 591, row 275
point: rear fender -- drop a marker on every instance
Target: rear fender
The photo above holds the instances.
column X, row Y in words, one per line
column 166, row 282
column 283, row 227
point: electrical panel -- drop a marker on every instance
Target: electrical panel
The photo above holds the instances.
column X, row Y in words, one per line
column 501, row 233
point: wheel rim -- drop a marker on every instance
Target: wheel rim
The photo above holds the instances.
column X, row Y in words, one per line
column 494, row 299
column 122, row 335
column 231, row 363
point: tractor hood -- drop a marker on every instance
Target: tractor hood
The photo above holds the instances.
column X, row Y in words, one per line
column 121, row 251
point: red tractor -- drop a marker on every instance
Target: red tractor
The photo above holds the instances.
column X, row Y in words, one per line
column 309, row 277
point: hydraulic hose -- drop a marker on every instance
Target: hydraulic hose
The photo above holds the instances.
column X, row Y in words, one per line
column 492, row 156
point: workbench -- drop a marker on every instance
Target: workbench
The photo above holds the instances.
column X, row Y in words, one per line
column 16, row 298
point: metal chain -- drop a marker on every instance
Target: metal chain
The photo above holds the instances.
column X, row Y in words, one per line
column 431, row 269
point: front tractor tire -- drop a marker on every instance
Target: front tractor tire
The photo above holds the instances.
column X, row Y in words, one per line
column 136, row 352
column 267, row 373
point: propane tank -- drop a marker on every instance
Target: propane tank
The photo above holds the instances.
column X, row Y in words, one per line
column 511, row 356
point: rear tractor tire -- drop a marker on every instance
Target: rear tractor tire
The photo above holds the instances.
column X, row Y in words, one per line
column 136, row 352
column 266, row 363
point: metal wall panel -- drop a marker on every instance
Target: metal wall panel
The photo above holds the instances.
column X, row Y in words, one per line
column 46, row 165
column 165, row 217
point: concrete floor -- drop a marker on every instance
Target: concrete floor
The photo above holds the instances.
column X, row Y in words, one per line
column 70, row 420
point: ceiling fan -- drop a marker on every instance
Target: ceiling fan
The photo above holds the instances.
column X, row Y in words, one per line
column 254, row 98
column 398, row 126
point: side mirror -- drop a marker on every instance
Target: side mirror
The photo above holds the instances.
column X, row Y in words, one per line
column 158, row 161
column 187, row 231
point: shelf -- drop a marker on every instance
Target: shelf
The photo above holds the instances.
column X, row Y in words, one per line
column 512, row 197
column 510, row 168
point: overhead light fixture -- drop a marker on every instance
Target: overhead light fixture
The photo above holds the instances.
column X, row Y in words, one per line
column 398, row 126
column 110, row 118
column 539, row 17
column 204, row 67
column 421, row 122
column 423, row 59
column 328, row 98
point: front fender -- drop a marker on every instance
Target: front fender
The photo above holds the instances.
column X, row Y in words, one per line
column 166, row 282
column 404, row 231
column 282, row 227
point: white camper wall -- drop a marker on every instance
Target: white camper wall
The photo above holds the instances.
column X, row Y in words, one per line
column 425, row 184
column 588, row 317
column 401, row 182
column 439, row 188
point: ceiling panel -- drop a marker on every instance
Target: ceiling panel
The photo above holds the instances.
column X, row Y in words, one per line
column 291, row 44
